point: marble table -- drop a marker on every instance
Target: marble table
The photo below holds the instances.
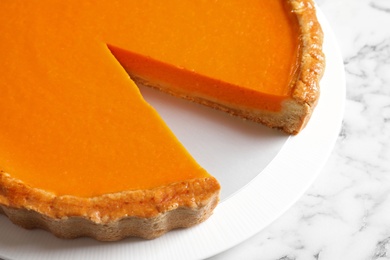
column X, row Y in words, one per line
column 345, row 215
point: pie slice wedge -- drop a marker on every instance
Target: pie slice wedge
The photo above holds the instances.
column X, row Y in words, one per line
column 83, row 154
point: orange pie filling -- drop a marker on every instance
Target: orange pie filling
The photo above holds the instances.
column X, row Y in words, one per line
column 72, row 122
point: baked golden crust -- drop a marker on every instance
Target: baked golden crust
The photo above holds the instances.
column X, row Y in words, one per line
column 141, row 213
column 306, row 89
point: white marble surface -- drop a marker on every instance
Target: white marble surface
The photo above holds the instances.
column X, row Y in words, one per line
column 345, row 215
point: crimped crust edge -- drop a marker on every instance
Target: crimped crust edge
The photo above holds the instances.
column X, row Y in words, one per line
column 110, row 217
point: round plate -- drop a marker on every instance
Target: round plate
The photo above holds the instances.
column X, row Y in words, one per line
column 262, row 173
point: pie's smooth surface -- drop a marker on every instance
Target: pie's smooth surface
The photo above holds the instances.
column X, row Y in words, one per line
column 82, row 154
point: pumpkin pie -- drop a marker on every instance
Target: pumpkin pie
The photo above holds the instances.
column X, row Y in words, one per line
column 83, row 154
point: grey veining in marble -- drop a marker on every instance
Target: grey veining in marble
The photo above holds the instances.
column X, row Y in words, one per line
column 345, row 215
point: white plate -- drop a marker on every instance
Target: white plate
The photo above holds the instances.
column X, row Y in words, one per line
column 262, row 173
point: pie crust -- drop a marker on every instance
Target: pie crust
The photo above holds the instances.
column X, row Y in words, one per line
column 140, row 213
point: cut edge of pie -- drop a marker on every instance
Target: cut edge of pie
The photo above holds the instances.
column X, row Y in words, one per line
column 296, row 110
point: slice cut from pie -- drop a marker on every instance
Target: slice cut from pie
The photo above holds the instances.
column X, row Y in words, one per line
column 82, row 153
